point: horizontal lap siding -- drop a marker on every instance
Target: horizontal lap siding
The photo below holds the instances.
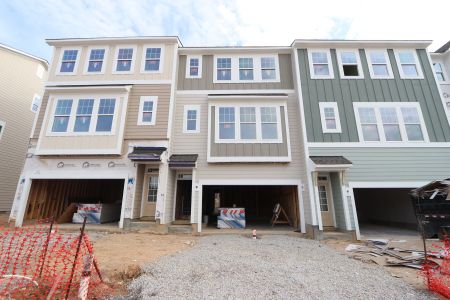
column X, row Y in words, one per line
column 347, row 91
column 393, row 164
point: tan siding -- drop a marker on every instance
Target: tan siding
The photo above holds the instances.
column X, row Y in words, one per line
column 138, row 195
column 170, row 196
column 40, row 118
column 206, row 82
column 157, row 131
column 19, row 83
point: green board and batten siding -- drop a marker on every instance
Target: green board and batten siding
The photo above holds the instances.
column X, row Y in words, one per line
column 347, row 91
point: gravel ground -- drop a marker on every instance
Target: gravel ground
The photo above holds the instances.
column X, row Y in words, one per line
column 273, row 267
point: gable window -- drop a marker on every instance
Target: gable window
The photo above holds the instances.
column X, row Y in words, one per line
column 96, row 58
column 248, row 123
column 390, row 122
column 147, row 110
column 379, row 64
column 349, row 64
column 408, row 64
column 62, row 115
column 224, row 69
column 193, row 66
column 68, row 61
column 268, row 68
column 2, row 128
column 329, row 115
column 439, row 71
column 320, row 64
column 191, row 119
column 226, row 123
column 152, row 59
column 245, row 68
column 124, row 59
column 84, row 113
column 105, row 115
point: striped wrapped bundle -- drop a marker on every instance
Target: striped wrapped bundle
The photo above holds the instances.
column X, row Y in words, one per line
column 231, row 218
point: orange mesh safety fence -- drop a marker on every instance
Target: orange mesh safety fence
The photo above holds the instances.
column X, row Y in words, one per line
column 438, row 276
column 39, row 262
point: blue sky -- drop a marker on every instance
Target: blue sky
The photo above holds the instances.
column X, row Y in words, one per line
column 25, row 24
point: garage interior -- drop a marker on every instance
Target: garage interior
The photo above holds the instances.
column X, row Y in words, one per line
column 258, row 201
column 58, row 197
column 387, row 207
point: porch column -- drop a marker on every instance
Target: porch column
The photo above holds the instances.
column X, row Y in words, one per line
column 316, row 199
column 345, row 200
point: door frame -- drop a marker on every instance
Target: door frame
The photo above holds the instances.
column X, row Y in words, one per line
column 147, row 175
column 175, row 194
column 330, row 197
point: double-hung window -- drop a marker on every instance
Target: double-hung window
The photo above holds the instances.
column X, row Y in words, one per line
column 84, row 114
column 349, row 64
column 147, row 110
column 124, row 61
column 320, row 64
column 227, row 123
column 69, row 61
column 408, row 64
column 246, row 68
column 223, row 69
column 268, row 68
column 62, row 115
column 191, row 119
column 96, row 60
column 439, row 71
column 105, row 115
column 193, row 66
column 390, row 122
column 329, row 115
column 152, row 59
column 248, row 123
column 379, row 64
column 269, row 123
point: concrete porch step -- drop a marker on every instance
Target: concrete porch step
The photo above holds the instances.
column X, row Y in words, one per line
column 180, row 229
column 142, row 225
column 181, row 222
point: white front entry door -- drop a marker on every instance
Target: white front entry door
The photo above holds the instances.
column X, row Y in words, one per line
column 149, row 195
column 325, row 200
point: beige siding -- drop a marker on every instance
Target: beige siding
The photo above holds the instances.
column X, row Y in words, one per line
column 253, row 149
column 139, row 188
column 40, row 117
column 157, row 131
column 18, row 84
column 166, row 73
column 170, row 196
column 206, row 81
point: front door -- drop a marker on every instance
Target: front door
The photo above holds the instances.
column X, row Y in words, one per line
column 149, row 195
column 325, row 200
column 184, row 197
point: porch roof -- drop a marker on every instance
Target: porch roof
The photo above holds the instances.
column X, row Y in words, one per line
column 183, row 160
column 331, row 162
column 146, row 153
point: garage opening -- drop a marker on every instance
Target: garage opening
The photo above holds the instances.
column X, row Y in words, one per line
column 384, row 209
column 258, row 201
column 59, row 198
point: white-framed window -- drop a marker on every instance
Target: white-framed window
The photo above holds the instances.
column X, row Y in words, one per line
column 320, row 64
column 124, row 59
column 390, row 122
column 191, row 123
column 96, row 60
column 153, row 57
column 349, row 64
column 408, row 64
column 147, row 110
column 194, row 66
column 248, row 123
column 83, row 115
column 2, row 128
column 329, row 115
column 246, row 68
column 69, row 61
column 379, row 64
column 35, row 103
column 439, row 71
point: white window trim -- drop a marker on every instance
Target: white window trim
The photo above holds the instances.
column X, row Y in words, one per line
column 390, row 74
column 161, row 58
column 237, row 127
column 197, row 121
column 397, row 106
column 311, row 65
column 418, row 66
column 73, row 113
column 334, row 106
column 257, row 73
column 75, row 68
column 133, row 59
column 3, row 125
column 141, row 109
column 105, row 60
column 358, row 61
column 188, row 66
column 444, row 71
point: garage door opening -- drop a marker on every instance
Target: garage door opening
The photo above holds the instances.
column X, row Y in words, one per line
column 384, row 210
column 258, row 202
column 58, row 198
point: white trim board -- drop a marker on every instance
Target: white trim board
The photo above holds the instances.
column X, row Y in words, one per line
column 378, row 145
column 217, row 159
column 238, row 92
column 257, row 182
column 386, row 184
column 106, row 82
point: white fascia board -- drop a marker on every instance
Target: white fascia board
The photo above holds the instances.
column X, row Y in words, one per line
column 221, row 159
column 308, row 43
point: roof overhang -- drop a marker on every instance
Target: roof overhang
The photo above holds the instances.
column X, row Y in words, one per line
column 183, row 161
column 299, row 43
column 234, row 50
column 258, row 97
column 330, row 163
column 103, row 40
column 17, row 51
column 147, row 154
column 94, row 88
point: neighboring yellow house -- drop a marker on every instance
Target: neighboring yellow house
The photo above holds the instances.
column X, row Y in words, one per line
column 22, row 78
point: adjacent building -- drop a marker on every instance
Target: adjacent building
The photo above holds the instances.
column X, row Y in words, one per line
column 22, row 78
column 441, row 65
